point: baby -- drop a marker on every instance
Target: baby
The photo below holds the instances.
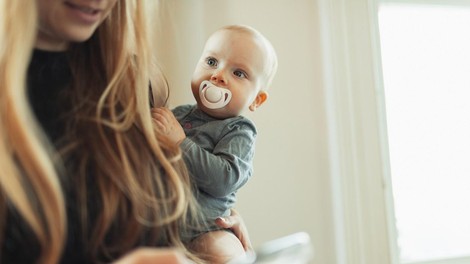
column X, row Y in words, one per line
column 233, row 74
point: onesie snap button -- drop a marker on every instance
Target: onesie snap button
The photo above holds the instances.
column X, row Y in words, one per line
column 187, row 125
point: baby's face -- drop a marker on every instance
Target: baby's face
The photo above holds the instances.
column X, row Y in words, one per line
column 234, row 61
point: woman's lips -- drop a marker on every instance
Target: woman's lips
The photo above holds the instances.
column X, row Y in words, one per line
column 83, row 13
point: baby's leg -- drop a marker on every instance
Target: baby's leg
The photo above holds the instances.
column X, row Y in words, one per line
column 218, row 246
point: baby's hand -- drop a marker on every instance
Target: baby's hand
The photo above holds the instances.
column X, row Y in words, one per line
column 168, row 125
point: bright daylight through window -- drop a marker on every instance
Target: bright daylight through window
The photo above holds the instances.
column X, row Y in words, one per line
column 426, row 68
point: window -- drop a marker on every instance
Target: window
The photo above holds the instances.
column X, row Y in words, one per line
column 425, row 53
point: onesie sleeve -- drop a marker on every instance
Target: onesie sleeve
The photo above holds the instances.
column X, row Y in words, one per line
column 229, row 166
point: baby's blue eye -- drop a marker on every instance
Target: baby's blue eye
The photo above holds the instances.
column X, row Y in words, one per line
column 239, row 74
column 211, row 62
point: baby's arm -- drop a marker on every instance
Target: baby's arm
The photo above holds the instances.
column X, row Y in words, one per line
column 228, row 166
column 168, row 124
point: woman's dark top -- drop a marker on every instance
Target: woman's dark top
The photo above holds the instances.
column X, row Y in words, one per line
column 48, row 77
column 48, row 83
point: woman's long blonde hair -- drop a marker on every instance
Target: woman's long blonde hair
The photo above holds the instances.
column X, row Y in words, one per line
column 126, row 180
column 28, row 181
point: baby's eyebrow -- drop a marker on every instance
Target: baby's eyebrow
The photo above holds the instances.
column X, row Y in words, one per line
column 210, row 53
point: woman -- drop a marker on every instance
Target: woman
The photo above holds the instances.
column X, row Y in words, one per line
column 84, row 176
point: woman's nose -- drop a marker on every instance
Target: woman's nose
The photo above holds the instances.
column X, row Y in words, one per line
column 219, row 78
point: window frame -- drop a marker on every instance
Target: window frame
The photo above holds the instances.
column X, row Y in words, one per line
column 361, row 191
column 358, row 162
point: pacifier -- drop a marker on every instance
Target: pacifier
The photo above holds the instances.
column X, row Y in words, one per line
column 214, row 97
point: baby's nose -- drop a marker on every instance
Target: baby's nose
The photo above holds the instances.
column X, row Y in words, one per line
column 219, row 77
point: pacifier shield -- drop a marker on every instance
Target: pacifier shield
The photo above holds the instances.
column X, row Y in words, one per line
column 214, row 97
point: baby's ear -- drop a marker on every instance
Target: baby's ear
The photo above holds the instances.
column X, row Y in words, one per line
column 259, row 100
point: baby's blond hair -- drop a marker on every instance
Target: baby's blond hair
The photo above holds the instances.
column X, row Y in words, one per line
column 271, row 56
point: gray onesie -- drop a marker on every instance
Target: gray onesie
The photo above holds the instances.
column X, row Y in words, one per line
column 219, row 155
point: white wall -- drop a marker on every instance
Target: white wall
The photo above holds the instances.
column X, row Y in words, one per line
column 290, row 189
